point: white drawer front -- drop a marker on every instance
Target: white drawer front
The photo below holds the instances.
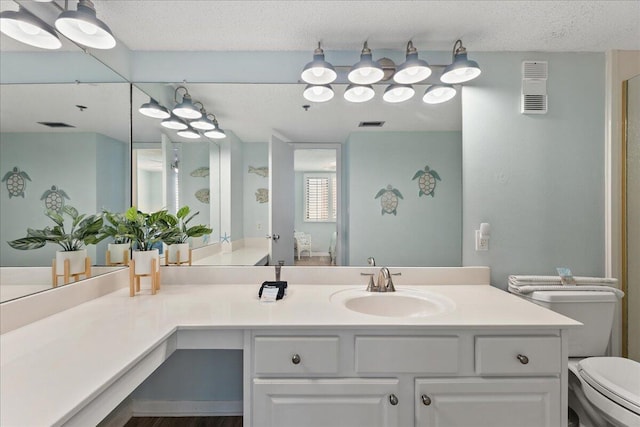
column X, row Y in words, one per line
column 518, row 355
column 296, row 355
column 427, row 355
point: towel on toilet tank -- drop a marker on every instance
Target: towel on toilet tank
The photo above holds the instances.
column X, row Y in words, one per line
column 527, row 284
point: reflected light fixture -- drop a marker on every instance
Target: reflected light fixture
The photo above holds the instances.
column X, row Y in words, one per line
column 359, row 93
column 413, row 69
column 24, row 27
column 174, row 122
column 189, row 133
column 461, row 69
column 437, row 94
column 204, row 122
column 186, row 108
column 318, row 71
column 398, row 93
column 318, row 93
column 216, row 133
column 366, row 71
column 154, row 110
column 83, row 26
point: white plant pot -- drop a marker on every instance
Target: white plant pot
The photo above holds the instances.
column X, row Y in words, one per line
column 172, row 252
column 143, row 261
column 117, row 252
column 76, row 261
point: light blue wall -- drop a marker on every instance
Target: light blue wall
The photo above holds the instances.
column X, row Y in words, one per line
column 320, row 232
column 194, row 155
column 537, row 179
column 237, row 186
column 426, row 230
column 256, row 154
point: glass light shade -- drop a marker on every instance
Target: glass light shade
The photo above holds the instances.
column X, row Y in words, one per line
column 28, row 29
column 188, row 133
column 174, row 123
column 203, row 123
column 398, row 93
column 154, row 110
column 82, row 26
column 186, row 109
column 461, row 70
column 365, row 71
column 318, row 71
column 359, row 93
column 320, row 93
column 438, row 94
column 412, row 70
column 216, row 133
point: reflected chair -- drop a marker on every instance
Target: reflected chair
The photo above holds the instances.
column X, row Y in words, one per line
column 302, row 243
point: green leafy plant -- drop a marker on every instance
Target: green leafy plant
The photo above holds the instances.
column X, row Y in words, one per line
column 85, row 230
column 115, row 226
column 182, row 232
column 147, row 229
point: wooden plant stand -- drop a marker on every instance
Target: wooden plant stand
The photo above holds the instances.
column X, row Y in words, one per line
column 125, row 258
column 179, row 259
column 134, row 279
column 66, row 274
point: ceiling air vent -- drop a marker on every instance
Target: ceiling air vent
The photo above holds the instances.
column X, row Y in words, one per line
column 370, row 124
column 534, row 87
column 56, row 124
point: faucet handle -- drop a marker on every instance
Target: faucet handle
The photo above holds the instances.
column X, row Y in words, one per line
column 371, row 286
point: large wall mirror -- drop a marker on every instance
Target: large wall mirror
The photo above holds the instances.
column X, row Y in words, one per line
column 397, row 196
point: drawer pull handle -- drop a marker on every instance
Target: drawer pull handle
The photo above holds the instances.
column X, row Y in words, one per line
column 393, row 399
column 296, row 359
column 426, row 400
column 523, row 359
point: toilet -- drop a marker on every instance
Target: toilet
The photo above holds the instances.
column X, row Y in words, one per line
column 603, row 391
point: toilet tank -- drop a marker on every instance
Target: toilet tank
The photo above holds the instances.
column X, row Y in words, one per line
column 594, row 309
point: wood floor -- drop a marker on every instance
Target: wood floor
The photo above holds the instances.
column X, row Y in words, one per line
column 314, row 260
column 184, row 422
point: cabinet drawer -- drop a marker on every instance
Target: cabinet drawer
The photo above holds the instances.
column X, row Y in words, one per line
column 427, row 355
column 296, row 355
column 518, row 355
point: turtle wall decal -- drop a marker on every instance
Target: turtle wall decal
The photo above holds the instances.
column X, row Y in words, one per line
column 54, row 198
column 15, row 182
column 427, row 181
column 389, row 199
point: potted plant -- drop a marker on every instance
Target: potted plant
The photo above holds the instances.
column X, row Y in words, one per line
column 85, row 230
column 178, row 240
column 146, row 230
column 116, row 226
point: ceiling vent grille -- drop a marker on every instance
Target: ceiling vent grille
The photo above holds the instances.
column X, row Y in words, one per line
column 371, row 124
column 534, row 87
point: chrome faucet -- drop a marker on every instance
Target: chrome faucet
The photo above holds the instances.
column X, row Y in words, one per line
column 278, row 268
column 384, row 282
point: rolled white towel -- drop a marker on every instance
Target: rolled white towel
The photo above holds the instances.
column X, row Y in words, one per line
column 517, row 280
column 527, row 289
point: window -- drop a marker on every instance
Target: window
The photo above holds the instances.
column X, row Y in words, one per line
column 320, row 203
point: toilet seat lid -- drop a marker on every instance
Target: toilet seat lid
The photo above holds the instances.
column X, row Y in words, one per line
column 615, row 377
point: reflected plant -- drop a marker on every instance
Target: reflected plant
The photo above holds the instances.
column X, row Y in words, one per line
column 182, row 232
column 147, row 229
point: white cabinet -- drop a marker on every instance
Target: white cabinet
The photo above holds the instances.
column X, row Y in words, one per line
column 480, row 402
column 325, row 402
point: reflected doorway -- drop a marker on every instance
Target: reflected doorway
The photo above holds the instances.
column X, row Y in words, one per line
column 147, row 171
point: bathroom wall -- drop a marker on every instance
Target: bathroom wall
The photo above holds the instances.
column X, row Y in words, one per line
column 256, row 214
column 537, row 179
column 194, row 155
column 231, row 188
column 320, row 232
column 377, row 159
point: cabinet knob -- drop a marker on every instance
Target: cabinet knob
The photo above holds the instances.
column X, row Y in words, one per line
column 426, row 400
column 393, row 399
column 523, row 359
column 296, row 359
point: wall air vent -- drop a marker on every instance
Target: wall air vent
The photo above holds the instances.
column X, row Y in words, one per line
column 534, row 87
column 56, row 124
column 370, row 124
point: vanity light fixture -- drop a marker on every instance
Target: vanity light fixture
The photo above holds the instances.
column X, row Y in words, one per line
column 26, row 28
column 204, row 122
column 318, row 71
column 154, row 110
column 413, row 69
column 216, row 133
column 359, row 93
column 461, row 69
column 83, row 26
column 189, row 133
column 174, row 123
column 437, row 94
column 366, row 71
column 318, row 93
column 398, row 93
column 186, row 108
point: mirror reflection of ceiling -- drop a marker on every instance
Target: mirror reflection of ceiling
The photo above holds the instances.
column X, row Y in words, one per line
column 315, row 160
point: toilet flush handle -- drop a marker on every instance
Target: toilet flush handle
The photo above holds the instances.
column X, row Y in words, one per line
column 523, row 359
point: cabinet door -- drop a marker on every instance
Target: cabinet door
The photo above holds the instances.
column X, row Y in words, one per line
column 325, row 402
column 480, row 402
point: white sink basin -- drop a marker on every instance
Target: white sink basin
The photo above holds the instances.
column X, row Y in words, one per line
column 401, row 303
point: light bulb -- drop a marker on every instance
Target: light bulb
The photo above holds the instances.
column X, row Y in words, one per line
column 87, row 28
column 27, row 28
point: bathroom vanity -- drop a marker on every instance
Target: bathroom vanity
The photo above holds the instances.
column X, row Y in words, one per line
column 477, row 356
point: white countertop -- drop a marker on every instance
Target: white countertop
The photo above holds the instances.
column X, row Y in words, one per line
column 51, row 368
